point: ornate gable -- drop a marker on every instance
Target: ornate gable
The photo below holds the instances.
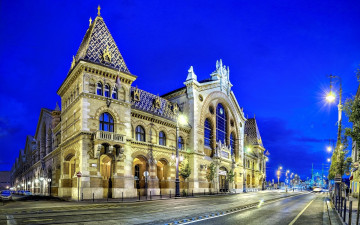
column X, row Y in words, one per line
column 98, row 46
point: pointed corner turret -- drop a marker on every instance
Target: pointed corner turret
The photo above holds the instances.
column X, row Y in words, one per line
column 99, row 47
column 252, row 132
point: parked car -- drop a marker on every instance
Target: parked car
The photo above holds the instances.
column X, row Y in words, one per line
column 27, row 193
column 6, row 195
column 317, row 189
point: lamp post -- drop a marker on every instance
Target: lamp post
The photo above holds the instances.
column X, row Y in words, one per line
column 181, row 119
column 330, row 97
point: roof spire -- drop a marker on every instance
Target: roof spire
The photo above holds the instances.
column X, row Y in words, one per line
column 98, row 8
column 90, row 20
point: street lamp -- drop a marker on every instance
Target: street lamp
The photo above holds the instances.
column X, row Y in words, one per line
column 278, row 177
column 329, row 148
column 181, row 119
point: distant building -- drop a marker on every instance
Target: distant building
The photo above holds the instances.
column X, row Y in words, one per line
column 355, row 176
column 5, row 180
column 115, row 134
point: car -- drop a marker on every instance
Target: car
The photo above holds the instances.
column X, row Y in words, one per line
column 317, row 189
column 6, row 195
column 27, row 193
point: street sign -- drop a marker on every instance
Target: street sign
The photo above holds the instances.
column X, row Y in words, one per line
column 78, row 174
column 146, row 173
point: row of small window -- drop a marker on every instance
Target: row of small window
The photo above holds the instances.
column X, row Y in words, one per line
column 106, row 123
column 72, row 97
column 140, row 136
column 105, row 91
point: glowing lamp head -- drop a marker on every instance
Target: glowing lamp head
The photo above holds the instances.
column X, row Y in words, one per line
column 280, row 168
column 248, row 149
column 329, row 149
column 328, row 159
column 330, row 97
column 182, row 119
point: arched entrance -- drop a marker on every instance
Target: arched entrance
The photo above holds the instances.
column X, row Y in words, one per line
column 223, row 182
column 140, row 165
column 163, row 173
column 106, row 171
column 260, row 182
column 253, row 181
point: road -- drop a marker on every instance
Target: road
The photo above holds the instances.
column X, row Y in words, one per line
column 303, row 209
column 271, row 207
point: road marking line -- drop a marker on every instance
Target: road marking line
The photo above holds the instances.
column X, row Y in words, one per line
column 10, row 220
column 38, row 220
column 297, row 217
column 200, row 218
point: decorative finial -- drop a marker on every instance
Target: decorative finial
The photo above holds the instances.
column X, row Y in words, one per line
column 73, row 62
column 98, row 8
column 90, row 20
column 57, row 108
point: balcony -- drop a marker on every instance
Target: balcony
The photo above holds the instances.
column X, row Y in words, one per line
column 109, row 136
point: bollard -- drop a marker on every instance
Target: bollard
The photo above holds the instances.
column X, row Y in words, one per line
column 139, row 195
column 350, row 211
column 82, row 196
column 160, row 194
column 170, row 193
column 204, row 191
column 107, row 199
column 192, row 192
column 150, row 195
column 93, row 197
column 344, row 216
column 122, row 196
column 217, row 191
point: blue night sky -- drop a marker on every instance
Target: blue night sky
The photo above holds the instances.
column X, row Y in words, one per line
column 279, row 53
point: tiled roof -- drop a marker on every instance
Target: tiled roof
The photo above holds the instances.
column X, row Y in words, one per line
column 147, row 103
column 96, row 43
column 252, row 131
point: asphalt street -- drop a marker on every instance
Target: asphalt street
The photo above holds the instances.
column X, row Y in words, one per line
column 303, row 209
column 272, row 207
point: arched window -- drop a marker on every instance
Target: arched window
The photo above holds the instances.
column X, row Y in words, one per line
column 207, row 133
column 220, row 124
column 107, row 90
column 140, row 133
column 106, row 122
column 114, row 93
column 232, row 143
column 181, row 144
column 99, row 89
column 162, row 138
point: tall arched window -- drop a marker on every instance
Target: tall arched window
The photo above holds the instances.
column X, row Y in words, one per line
column 181, row 144
column 107, row 90
column 220, row 124
column 232, row 143
column 162, row 138
column 114, row 93
column 140, row 133
column 99, row 89
column 106, row 122
column 207, row 133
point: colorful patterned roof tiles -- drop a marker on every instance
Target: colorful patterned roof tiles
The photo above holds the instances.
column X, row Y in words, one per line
column 149, row 103
column 98, row 46
column 252, row 132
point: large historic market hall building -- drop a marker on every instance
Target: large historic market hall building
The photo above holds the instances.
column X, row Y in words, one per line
column 113, row 132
